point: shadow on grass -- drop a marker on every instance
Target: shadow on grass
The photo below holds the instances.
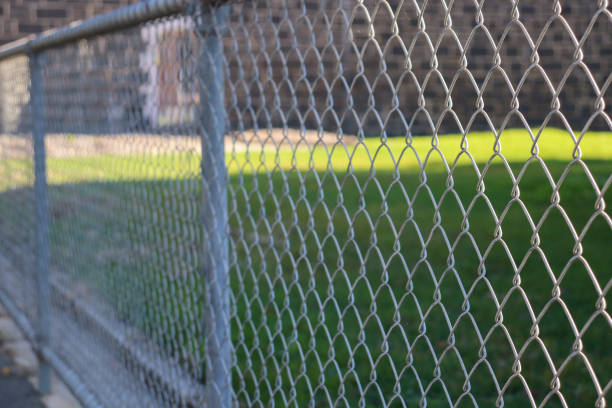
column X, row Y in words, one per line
column 352, row 290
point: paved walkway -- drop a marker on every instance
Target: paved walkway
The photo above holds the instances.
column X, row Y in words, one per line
column 15, row 390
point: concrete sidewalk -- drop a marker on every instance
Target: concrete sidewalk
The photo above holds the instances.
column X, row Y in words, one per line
column 18, row 373
column 16, row 391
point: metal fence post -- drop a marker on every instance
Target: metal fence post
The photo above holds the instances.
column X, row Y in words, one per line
column 211, row 21
column 42, row 217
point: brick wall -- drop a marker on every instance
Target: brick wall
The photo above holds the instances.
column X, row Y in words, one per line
column 19, row 18
column 304, row 66
column 359, row 67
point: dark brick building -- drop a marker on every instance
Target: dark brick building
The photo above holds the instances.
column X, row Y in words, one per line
column 369, row 66
column 391, row 66
column 19, row 18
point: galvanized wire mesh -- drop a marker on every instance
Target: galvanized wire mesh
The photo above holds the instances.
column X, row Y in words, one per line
column 126, row 237
column 410, row 209
column 17, row 211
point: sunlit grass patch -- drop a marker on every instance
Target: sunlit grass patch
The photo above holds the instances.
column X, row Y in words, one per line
column 428, row 264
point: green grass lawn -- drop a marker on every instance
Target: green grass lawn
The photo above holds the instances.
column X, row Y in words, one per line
column 365, row 275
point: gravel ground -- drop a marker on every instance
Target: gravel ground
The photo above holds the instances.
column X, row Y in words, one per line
column 77, row 145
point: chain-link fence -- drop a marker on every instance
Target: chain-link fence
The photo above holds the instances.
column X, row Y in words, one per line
column 314, row 203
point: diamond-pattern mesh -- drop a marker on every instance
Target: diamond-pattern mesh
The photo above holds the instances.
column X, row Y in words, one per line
column 125, row 235
column 372, row 267
column 17, row 211
column 327, row 203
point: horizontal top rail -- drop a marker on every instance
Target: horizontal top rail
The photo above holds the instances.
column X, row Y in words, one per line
column 137, row 13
